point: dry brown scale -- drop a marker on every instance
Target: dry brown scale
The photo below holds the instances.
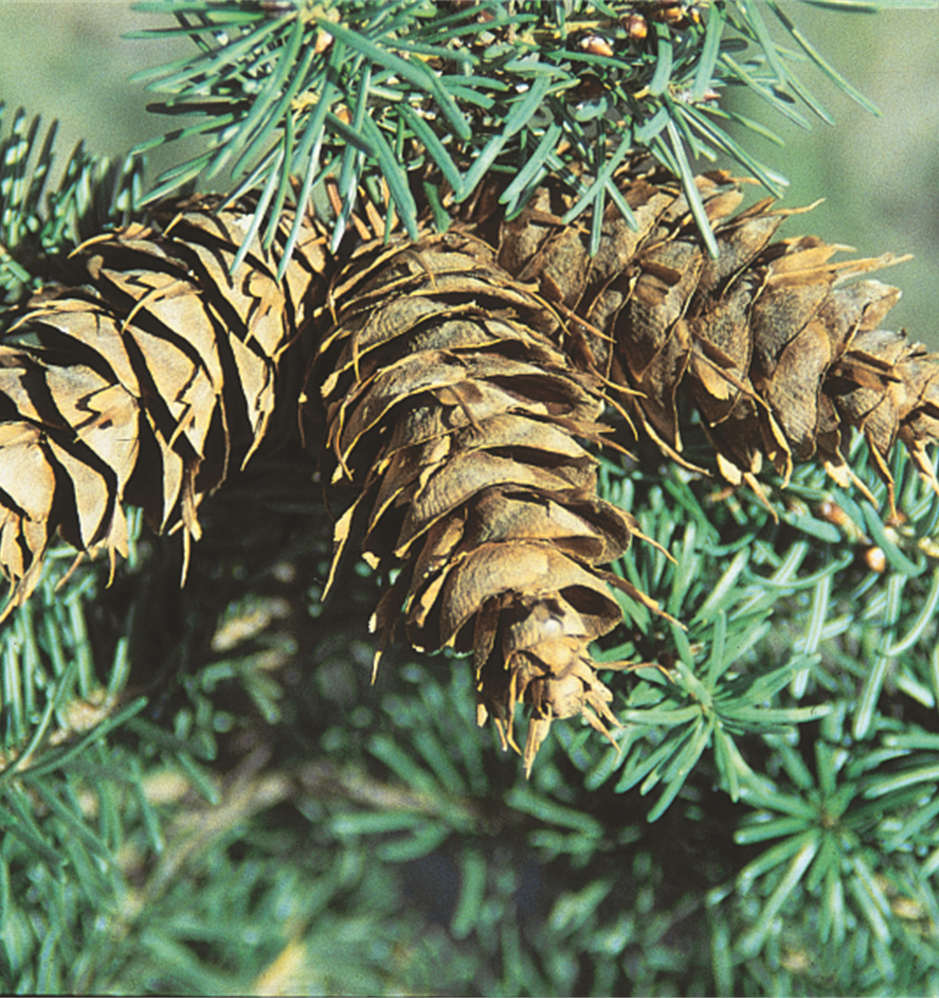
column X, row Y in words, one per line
column 454, row 383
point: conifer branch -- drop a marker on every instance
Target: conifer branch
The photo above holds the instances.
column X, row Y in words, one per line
column 390, row 97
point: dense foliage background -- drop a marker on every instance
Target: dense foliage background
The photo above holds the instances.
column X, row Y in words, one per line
column 227, row 806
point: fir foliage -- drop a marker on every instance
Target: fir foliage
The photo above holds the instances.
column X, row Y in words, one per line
column 202, row 793
column 41, row 224
column 369, row 91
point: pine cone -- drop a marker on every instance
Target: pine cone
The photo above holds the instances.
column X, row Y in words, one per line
column 777, row 351
column 451, row 401
column 143, row 386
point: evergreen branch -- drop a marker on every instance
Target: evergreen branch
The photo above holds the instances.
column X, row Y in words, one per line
column 215, row 844
column 427, row 96
column 39, row 223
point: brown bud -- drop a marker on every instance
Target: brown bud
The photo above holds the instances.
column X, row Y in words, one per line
column 830, row 511
column 636, row 27
column 875, row 559
column 675, row 15
column 595, row 45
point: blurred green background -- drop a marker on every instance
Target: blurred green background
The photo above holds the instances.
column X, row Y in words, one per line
column 67, row 59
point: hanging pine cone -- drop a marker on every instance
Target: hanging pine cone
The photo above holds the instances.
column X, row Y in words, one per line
column 144, row 386
column 778, row 352
column 450, row 400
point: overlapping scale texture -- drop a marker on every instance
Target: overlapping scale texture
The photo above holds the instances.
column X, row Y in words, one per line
column 451, row 402
column 773, row 341
column 456, row 383
column 144, row 385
